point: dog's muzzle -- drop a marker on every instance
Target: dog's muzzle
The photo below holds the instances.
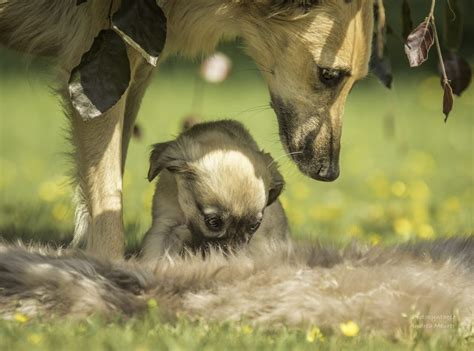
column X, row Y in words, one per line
column 317, row 153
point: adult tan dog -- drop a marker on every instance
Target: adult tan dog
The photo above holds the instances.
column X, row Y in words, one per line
column 310, row 53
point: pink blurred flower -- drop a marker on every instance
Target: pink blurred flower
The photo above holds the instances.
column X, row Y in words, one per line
column 216, row 68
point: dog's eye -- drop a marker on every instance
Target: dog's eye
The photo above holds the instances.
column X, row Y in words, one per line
column 331, row 77
column 253, row 228
column 214, row 223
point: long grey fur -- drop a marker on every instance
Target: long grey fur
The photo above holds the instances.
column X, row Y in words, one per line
column 293, row 285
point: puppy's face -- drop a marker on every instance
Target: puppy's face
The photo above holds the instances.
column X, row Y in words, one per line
column 223, row 193
column 225, row 199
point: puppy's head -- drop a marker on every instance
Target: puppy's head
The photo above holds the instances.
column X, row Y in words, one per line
column 223, row 189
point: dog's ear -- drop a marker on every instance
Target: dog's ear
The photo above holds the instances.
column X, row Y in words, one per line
column 167, row 156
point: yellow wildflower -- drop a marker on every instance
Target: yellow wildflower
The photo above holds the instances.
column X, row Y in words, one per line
column 403, row 227
column 398, row 189
column 246, row 329
column 20, row 317
column 419, row 191
column 35, row 338
column 425, row 231
column 374, row 239
column 152, row 304
column 355, row 230
column 314, row 334
column 349, row 329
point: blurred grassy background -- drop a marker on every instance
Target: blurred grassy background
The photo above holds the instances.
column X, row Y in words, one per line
column 404, row 173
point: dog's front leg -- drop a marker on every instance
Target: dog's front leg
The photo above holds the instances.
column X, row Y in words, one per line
column 98, row 157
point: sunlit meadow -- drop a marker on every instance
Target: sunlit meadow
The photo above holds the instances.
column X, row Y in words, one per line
column 405, row 175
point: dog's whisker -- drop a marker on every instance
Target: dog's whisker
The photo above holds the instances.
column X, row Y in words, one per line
column 284, row 155
column 252, row 109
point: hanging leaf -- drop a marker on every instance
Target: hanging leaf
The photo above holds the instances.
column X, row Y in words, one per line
column 78, row 2
column 458, row 71
column 407, row 22
column 380, row 63
column 453, row 25
column 447, row 100
column 381, row 68
column 102, row 76
column 142, row 24
column 419, row 43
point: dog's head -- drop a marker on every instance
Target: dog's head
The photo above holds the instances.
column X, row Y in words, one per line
column 223, row 189
column 311, row 52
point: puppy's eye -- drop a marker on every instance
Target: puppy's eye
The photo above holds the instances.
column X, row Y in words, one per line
column 214, row 223
column 331, row 77
column 253, row 228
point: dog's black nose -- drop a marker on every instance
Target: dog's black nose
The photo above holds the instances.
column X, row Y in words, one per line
column 326, row 174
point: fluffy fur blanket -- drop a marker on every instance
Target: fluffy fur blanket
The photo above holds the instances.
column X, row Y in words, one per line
column 382, row 289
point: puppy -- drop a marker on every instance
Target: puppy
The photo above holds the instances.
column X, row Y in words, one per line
column 216, row 188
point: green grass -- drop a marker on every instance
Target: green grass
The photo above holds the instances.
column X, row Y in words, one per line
column 405, row 176
column 150, row 333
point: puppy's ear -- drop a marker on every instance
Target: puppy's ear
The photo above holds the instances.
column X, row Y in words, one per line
column 277, row 183
column 166, row 156
column 275, row 190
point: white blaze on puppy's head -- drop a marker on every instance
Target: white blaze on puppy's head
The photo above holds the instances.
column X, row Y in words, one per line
column 230, row 178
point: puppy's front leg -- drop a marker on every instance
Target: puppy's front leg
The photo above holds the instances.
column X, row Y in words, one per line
column 162, row 239
column 98, row 157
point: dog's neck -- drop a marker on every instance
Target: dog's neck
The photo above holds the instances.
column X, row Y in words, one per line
column 196, row 27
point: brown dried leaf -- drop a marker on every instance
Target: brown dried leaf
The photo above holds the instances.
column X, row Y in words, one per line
column 78, row 2
column 407, row 22
column 447, row 100
column 142, row 24
column 382, row 69
column 419, row 43
column 458, row 71
column 102, row 76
